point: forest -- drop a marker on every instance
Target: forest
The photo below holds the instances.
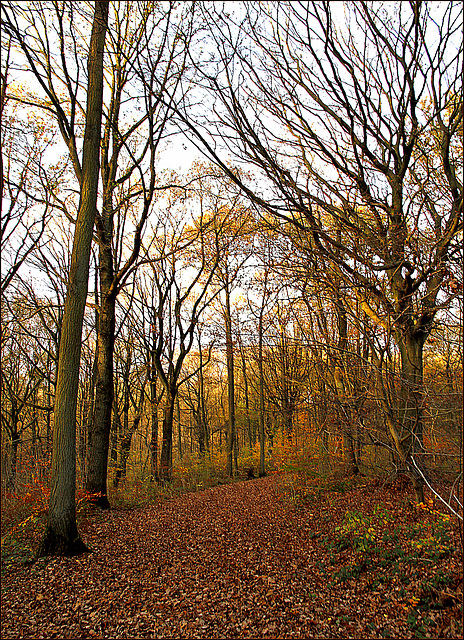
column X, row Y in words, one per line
column 231, row 274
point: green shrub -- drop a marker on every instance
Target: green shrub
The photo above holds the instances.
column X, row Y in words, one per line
column 363, row 532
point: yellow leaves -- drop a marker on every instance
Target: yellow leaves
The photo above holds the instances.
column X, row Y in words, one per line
column 411, row 604
column 428, row 508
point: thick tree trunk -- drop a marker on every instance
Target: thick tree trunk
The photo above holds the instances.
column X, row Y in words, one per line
column 350, row 453
column 401, row 435
column 411, row 350
column 99, row 435
column 61, row 534
column 411, row 409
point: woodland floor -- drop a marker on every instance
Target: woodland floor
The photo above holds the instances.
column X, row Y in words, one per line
column 254, row 559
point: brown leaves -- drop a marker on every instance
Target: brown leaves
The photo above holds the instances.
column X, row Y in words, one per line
column 236, row 561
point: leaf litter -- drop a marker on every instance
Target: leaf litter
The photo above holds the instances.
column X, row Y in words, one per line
column 276, row 557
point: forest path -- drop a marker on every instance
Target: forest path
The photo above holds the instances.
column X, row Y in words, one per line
column 229, row 562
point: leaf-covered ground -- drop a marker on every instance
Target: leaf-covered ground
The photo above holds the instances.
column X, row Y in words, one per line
column 277, row 557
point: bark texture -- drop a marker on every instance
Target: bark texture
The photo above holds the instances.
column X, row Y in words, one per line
column 61, row 535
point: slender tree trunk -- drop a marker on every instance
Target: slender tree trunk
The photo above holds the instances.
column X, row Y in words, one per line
column 230, row 386
column 91, row 409
column 123, row 457
column 346, row 413
column 262, row 432
column 287, row 404
column 116, row 432
column 179, row 429
column 126, row 443
column 49, row 402
column 61, row 534
column 251, row 440
column 153, row 419
column 262, row 470
column 200, row 431
column 165, row 471
column 14, row 460
column 202, row 421
column 120, row 431
column 346, row 416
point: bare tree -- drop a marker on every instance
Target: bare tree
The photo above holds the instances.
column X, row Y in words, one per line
column 144, row 58
column 180, row 305
column 196, row 391
column 146, row 64
column 332, row 114
column 61, row 535
column 237, row 250
column 129, row 402
column 28, row 185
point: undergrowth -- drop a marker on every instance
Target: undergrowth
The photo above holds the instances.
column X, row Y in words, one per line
column 395, row 545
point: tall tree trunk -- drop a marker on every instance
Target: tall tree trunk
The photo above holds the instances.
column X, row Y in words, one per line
column 411, row 409
column 200, row 431
column 49, row 402
column 99, row 434
column 153, row 419
column 346, row 417
column 61, row 534
column 126, row 443
column 13, row 461
column 251, row 439
column 123, row 457
column 402, row 440
column 165, row 470
column 230, row 385
column 262, row 470
column 347, row 410
column 262, row 433
column 116, row 432
column 411, row 350
column 203, row 441
column 91, row 397
column 179, row 429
